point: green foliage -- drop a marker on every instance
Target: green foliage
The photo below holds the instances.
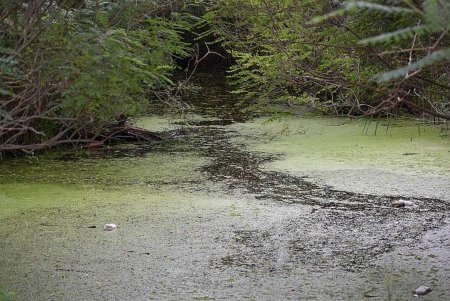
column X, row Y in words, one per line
column 79, row 66
column 86, row 64
column 7, row 66
column 436, row 15
column 279, row 56
column 111, row 71
column 432, row 18
column 436, row 56
column 283, row 51
column 394, row 36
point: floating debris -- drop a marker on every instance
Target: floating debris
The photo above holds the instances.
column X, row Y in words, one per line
column 410, row 154
column 421, row 290
column 109, row 227
column 403, row 203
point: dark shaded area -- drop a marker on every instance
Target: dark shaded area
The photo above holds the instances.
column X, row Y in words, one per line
column 209, row 55
column 213, row 98
column 214, row 58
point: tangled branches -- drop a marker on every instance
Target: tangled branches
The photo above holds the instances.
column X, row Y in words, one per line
column 71, row 71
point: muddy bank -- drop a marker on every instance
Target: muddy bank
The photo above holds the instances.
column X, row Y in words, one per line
column 226, row 211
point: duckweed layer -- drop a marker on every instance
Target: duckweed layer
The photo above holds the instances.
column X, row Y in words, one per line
column 55, row 248
column 152, row 168
column 327, row 143
column 206, row 214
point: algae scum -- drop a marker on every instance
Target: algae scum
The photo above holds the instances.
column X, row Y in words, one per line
column 227, row 210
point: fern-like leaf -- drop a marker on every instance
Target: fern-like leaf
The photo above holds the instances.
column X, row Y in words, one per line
column 376, row 7
column 395, row 36
column 437, row 14
column 358, row 5
column 320, row 19
column 434, row 57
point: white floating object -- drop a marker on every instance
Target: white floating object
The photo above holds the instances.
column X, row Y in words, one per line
column 403, row 203
column 109, row 227
column 422, row 290
column 409, row 204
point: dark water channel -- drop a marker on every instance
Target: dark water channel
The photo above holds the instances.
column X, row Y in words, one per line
column 344, row 229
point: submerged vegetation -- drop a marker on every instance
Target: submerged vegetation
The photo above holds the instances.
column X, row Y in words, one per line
column 72, row 70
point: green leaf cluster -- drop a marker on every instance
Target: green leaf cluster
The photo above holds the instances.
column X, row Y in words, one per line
column 279, row 55
column 110, row 70
column 351, row 58
column 432, row 18
column 7, row 69
column 67, row 65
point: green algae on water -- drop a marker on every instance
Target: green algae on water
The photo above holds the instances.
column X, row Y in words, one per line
column 335, row 143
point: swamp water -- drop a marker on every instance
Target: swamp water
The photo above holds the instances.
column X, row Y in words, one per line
column 294, row 209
